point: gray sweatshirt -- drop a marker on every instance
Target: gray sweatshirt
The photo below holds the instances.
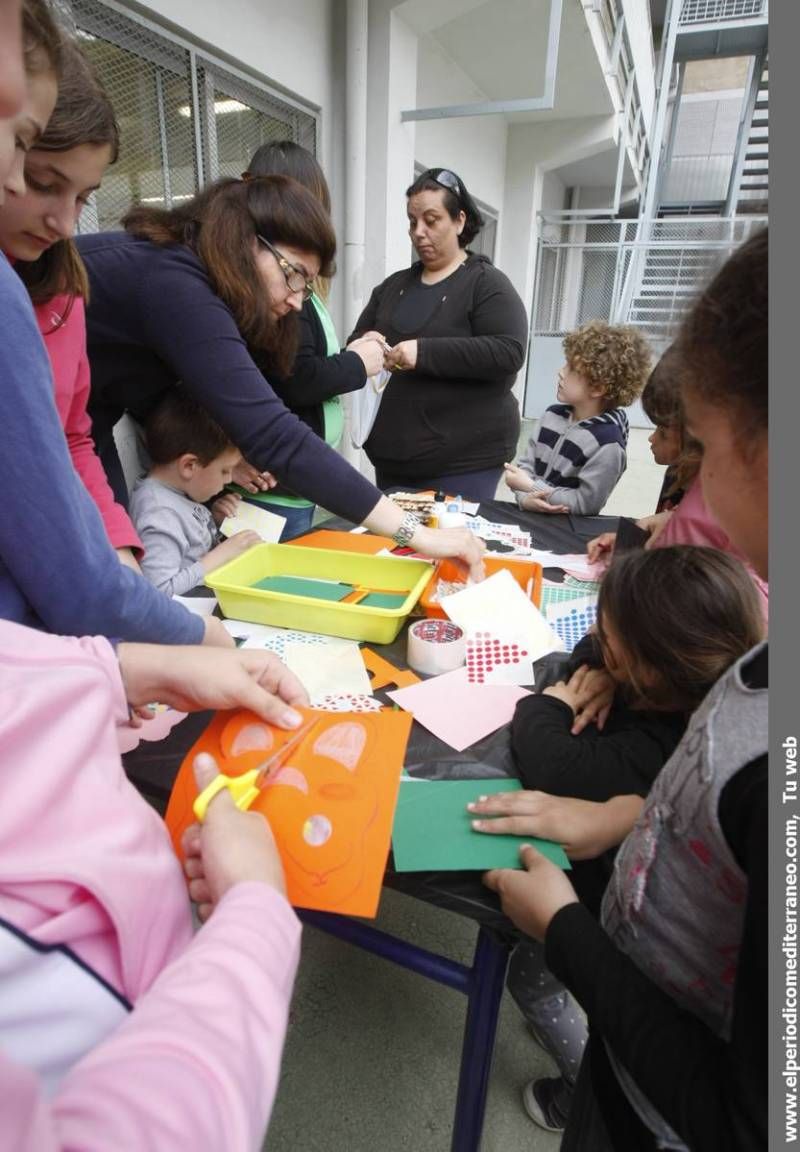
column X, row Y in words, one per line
column 176, row 534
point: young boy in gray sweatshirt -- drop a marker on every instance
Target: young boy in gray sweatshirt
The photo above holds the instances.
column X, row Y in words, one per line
column 192, row 461
column 578, row 454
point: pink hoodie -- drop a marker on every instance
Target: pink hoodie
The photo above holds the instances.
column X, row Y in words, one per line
column 92, row 898
column 66, row 346
column 692, row 523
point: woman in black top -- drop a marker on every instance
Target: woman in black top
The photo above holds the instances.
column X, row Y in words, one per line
column 458, row 332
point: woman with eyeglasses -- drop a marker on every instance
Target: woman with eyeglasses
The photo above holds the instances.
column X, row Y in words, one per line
column 458, row 331
column 322, row 372
column 184, row 294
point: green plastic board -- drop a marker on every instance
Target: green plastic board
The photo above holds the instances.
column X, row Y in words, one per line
column 303, row 586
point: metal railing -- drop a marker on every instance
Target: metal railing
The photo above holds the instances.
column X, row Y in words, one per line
column 644, row 273
column 721, row 11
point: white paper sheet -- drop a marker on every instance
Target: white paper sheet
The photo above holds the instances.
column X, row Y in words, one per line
column 330, row 669
column 268, row 525
column 499, row 605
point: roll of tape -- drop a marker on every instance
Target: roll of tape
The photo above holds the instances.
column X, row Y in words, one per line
column 435, row 646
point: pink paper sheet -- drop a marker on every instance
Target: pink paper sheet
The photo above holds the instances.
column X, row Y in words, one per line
column 456, row 711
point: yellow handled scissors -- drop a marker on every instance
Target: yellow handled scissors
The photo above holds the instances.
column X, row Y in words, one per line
column 246, row 787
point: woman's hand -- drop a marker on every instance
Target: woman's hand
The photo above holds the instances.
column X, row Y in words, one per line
column 224, row 506
column 249, row 478
column 230, row 847
column 457, row 544
column 532, row 897
column 534, row 503
column 193, row 679
column 517, row 479
column 601, row 548
column 584, row 828
column 370, row 353
column 655, row 525
column 401, row 358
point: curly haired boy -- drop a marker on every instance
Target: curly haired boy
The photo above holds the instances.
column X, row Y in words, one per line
column 578, row 453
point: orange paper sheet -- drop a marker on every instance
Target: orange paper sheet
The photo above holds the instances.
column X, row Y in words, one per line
column 330, row 806
column 363, row 542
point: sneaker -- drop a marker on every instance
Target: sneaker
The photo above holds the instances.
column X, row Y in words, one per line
column 547, row 1102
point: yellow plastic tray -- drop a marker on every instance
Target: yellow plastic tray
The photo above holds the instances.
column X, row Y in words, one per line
column 233, row 582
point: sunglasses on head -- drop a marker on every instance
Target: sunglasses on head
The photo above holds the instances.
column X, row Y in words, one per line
column 295, row 279
column 447, row 179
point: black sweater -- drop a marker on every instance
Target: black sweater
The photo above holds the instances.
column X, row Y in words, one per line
column 315, row 375
column 712, row 1092
column 623, row 759
column 455, row 411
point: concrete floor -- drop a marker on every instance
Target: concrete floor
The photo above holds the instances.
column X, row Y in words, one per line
column 371, row 1061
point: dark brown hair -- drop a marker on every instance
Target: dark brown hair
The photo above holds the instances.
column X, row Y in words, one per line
column 724, row 339
column 453, row 204
column 285, row 158
column 178, row 424
column 42, row 42
column 83, row 115
column 220, row 224
column 683, row 615
column 662, row 402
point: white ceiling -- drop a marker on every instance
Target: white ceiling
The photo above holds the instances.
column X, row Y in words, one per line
column 501, row 45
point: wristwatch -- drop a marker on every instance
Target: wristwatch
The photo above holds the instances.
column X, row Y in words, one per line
column 408, row 526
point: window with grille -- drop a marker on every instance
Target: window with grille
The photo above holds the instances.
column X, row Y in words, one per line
column 185, row 118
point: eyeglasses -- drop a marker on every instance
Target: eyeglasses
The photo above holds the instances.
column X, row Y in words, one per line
column 295, row 279
column 447, row 179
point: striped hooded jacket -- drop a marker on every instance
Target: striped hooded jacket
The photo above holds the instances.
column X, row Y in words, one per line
column 577, row 464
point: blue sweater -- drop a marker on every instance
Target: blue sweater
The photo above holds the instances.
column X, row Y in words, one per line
column 154, row 319
column 57, row 569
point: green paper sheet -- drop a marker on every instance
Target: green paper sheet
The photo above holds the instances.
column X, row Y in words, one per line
column 303, row 586
column 384, row 600
column 432, row 829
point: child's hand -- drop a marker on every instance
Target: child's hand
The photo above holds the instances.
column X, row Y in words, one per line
column 584, row 828
column 655, row 525
column 531, row 898
column 249, row 478
column 601, row 548
column 594, row 696
column 570, row 691
column 192, row 679
column 223, row 506
column 229, row 848
column 229, row 549
column 517, row 479
column 534, row 503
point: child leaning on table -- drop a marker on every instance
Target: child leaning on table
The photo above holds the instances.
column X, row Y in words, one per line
column 192, row 461
column 670, row 623
column 578, row 454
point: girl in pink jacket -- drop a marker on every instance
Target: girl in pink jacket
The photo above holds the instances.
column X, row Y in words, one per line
column 119, row 1028
column 61, row 171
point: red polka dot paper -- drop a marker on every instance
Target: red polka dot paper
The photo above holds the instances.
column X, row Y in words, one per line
column 490, row 657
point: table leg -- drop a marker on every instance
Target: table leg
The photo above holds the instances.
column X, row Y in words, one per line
column 487, row 979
